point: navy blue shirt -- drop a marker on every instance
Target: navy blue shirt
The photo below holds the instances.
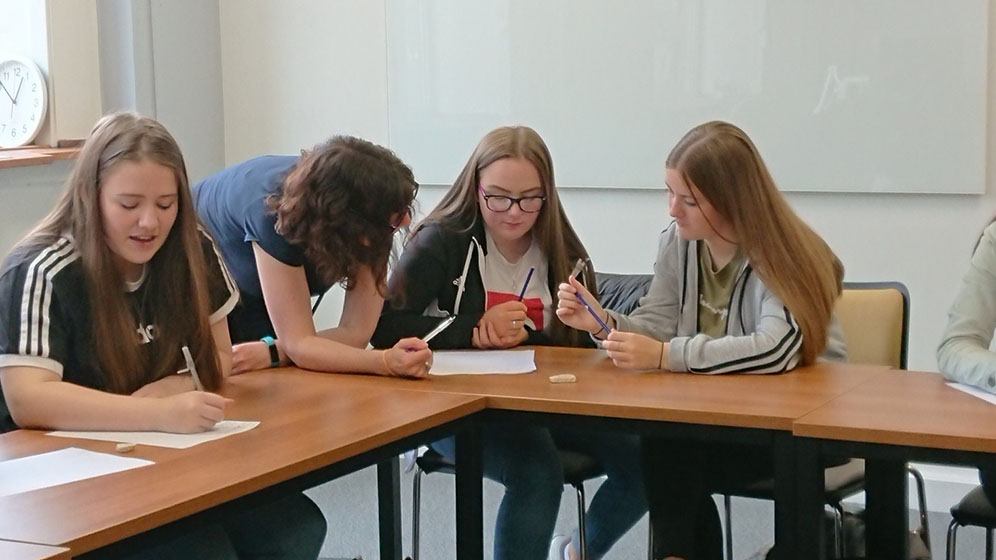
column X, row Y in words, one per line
column 232, row 204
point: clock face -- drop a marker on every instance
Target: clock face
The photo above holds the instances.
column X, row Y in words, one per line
column 23, row 99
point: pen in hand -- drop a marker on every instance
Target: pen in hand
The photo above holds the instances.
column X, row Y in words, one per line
column 439, row 328
column 578, row 267
column 192, row 368
column 526, row 283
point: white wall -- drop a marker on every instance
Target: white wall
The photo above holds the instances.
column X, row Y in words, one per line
column 288, row 84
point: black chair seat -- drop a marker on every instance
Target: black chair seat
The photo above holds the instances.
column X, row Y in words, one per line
column 578, row 467
column 975, row 509
column 840, row 481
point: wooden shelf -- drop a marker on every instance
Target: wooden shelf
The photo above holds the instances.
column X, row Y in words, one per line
column 20, row 157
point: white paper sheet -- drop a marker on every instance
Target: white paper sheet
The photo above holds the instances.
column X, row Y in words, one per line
column 59, row 467
column 480, row 362
column 223, row 429
column 974, row 391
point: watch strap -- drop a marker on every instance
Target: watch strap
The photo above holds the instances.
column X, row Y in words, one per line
column 271, row 343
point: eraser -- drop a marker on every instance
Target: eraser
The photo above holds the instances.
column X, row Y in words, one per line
column 124, row 447
column 563, row 378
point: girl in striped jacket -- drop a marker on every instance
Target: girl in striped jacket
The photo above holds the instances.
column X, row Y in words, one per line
column 741, row 285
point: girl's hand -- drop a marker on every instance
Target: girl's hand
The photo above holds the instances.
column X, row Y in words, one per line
column 572, row 313
column 166, row 387
column 485, row 337
column 191, row 412
column 636, row 351
column 410, row 357
column 250, row 356
column 507, row 320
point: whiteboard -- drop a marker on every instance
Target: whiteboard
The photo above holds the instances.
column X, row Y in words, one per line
column 845, row 95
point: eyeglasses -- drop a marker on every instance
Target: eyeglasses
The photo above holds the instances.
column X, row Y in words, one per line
column 502, row 203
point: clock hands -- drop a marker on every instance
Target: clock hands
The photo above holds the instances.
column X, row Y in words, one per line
column 18, row 92
column 4, row 88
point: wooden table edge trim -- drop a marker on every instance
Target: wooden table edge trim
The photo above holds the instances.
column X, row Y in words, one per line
column 161, row 517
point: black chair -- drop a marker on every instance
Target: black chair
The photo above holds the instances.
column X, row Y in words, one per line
column 975, row 510
column 619, row 292
column 578, row 468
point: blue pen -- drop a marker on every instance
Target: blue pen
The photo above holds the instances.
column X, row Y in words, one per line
column 592, row 311
column 526, row 283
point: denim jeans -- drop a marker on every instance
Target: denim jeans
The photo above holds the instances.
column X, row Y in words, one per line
column 526, row 461
column 621, row 500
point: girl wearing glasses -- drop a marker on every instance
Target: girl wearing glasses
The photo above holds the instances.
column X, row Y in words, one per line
column 741, row 285
column 471, row 258
column 291, row 227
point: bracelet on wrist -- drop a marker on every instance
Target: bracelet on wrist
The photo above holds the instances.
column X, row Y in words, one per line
column 271, row 345
column 383, row 355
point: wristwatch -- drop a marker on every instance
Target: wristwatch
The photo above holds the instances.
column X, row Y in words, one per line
column 271, row 343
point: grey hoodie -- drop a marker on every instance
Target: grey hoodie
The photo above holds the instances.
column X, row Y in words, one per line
column 761, row 334
column 964, row 354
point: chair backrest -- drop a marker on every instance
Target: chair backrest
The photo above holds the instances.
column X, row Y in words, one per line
column 622, row 292
column 875, row 317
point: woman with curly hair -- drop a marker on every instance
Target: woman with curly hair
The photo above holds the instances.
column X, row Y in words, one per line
column 291, row 227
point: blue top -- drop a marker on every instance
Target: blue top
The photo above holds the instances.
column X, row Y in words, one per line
column 232, row 204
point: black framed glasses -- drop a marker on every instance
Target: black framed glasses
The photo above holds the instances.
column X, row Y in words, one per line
column 502, row 203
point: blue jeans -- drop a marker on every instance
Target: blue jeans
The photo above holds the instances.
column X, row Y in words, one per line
column 292, row 528
column 621, row 500
column 526, row 461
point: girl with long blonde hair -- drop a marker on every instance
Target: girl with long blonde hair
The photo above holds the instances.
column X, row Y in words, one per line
column 97, row 303
column 741, row 285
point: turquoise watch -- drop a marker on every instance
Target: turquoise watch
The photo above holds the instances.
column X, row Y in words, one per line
column 271, row 343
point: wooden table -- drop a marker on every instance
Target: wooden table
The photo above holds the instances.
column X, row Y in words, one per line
column 894, row 418
column 757, row 409
column 13, row 550
column 312, row 429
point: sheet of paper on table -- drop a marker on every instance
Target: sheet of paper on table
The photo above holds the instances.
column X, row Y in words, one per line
column 223, row 429
column 60, row 467
column 480, row 362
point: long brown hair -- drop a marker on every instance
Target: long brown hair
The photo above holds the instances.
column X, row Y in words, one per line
column 459, row 209
column 337, row 204
column 794, row 262
column 176, row 284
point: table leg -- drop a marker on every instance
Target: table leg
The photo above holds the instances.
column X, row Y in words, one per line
column 469, row 494
column 887, row 509
column 798, row 498
column 389, row 508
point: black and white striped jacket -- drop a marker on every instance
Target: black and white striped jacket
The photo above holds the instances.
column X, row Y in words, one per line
column 761, row 334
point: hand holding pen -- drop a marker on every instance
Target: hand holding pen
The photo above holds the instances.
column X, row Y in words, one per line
column 577, row 308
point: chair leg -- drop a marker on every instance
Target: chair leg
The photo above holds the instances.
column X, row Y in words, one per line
column 650, row 539
column 582, row 541
column 838, row 530
column 952, row 540
column 728, row 515
column 989, row 544
column 922, row 504
column 416, row 508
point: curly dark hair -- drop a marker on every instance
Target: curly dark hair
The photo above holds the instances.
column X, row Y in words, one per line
column 341, row 203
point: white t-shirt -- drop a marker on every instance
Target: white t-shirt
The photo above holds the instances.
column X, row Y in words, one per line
column 503, row 282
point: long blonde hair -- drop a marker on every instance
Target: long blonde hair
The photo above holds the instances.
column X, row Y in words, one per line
column 459, row 209
column 794, row 262
column 176, row 284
